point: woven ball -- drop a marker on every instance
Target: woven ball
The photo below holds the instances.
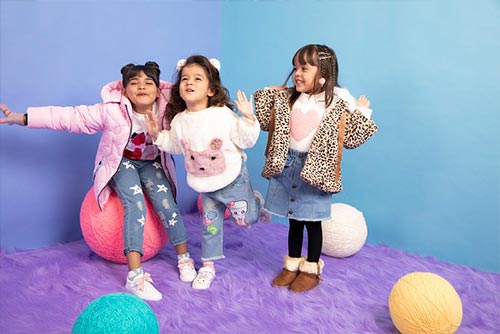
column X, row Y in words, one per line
column 425, row 303
column 117, row 313
column 200, row 208
column 103, row 230
column 345, row 232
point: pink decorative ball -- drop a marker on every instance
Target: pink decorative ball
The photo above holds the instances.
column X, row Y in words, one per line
column 103, row 230
column 200, row 208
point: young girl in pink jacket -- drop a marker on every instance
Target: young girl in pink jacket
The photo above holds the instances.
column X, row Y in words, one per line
column 126, row 161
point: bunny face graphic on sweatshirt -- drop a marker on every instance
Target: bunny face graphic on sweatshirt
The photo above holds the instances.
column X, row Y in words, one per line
column 209, row 162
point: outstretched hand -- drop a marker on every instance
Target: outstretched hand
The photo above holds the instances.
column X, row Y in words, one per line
column 152, row 125
column 363, row 102
column 11, row 117
column 245, row 106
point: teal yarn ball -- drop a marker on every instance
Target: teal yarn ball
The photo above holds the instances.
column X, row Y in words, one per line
column 117, row 313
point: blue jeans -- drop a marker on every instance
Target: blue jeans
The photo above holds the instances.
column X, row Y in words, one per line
column 132, row 178
column 238, row 197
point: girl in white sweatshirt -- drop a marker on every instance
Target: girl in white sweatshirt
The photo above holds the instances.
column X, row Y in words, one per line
column 212, row 137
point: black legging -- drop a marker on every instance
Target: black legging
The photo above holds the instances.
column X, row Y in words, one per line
column 314, row 239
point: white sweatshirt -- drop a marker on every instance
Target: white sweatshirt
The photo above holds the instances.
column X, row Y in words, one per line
column 212, row 142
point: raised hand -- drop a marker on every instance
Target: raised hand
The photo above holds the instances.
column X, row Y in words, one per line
column 244, row 106
column 11, row 117
column 363, row 102
column 152, row 125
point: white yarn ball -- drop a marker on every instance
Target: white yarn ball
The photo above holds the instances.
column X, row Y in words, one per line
column 345, row 232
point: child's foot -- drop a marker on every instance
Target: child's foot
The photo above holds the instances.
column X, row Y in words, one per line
column 187, row 273
column 139, row 283
column 264, row 216
column 204, row 278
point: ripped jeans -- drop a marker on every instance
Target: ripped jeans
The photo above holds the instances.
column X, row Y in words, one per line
column 238, row 197
column 130, row 181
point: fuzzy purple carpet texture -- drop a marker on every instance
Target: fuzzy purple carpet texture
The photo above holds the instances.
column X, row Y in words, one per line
column 45, row 290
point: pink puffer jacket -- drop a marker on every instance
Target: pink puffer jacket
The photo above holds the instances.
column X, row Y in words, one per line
column 112, row 118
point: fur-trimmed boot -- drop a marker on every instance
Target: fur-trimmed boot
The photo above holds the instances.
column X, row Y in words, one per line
column 309, row 276
column 290, row 271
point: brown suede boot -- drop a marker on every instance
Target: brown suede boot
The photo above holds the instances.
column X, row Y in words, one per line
column 290, row 271
column 309, row 277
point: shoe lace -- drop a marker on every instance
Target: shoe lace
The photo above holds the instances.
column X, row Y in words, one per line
column 185, row 263
column 140, row 281
column 204, row 274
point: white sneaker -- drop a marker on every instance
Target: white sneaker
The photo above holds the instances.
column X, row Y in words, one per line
column 187, row 273
column 204, row 278
column 141, row 286
column 264, row 216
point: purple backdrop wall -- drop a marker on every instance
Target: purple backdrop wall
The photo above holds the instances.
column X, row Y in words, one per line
column 62, row 53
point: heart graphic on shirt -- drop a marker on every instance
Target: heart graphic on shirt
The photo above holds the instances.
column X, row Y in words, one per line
column 302, row 124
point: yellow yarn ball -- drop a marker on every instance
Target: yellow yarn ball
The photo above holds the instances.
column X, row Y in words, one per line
column 425, row 303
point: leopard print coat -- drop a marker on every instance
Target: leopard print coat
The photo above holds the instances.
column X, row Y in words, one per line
column 319, row 168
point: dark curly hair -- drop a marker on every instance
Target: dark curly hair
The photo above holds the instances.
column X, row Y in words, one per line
column 150, row 69
column 221, row 94
column 325, row 58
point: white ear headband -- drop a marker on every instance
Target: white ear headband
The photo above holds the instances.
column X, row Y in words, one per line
column 180, row 64
column 213, row 61
column 216, row 63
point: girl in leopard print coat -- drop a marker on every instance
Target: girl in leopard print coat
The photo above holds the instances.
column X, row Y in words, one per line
column 308, row 126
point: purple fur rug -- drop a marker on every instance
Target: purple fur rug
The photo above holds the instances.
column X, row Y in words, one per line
column 44, row 290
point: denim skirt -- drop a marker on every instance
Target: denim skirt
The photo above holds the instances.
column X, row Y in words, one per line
column 290, row 197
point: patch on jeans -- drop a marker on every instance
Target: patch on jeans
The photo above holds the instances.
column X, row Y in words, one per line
column 142, row 220
column 238, row 211
column 173, row 220
column 210, row 216
column 136, row 189
column 162, row 188
column 212, row 229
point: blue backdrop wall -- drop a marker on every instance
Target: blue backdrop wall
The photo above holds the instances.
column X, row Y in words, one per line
column 427, row 183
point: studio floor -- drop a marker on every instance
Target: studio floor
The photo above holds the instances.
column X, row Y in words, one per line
column 45, row 290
